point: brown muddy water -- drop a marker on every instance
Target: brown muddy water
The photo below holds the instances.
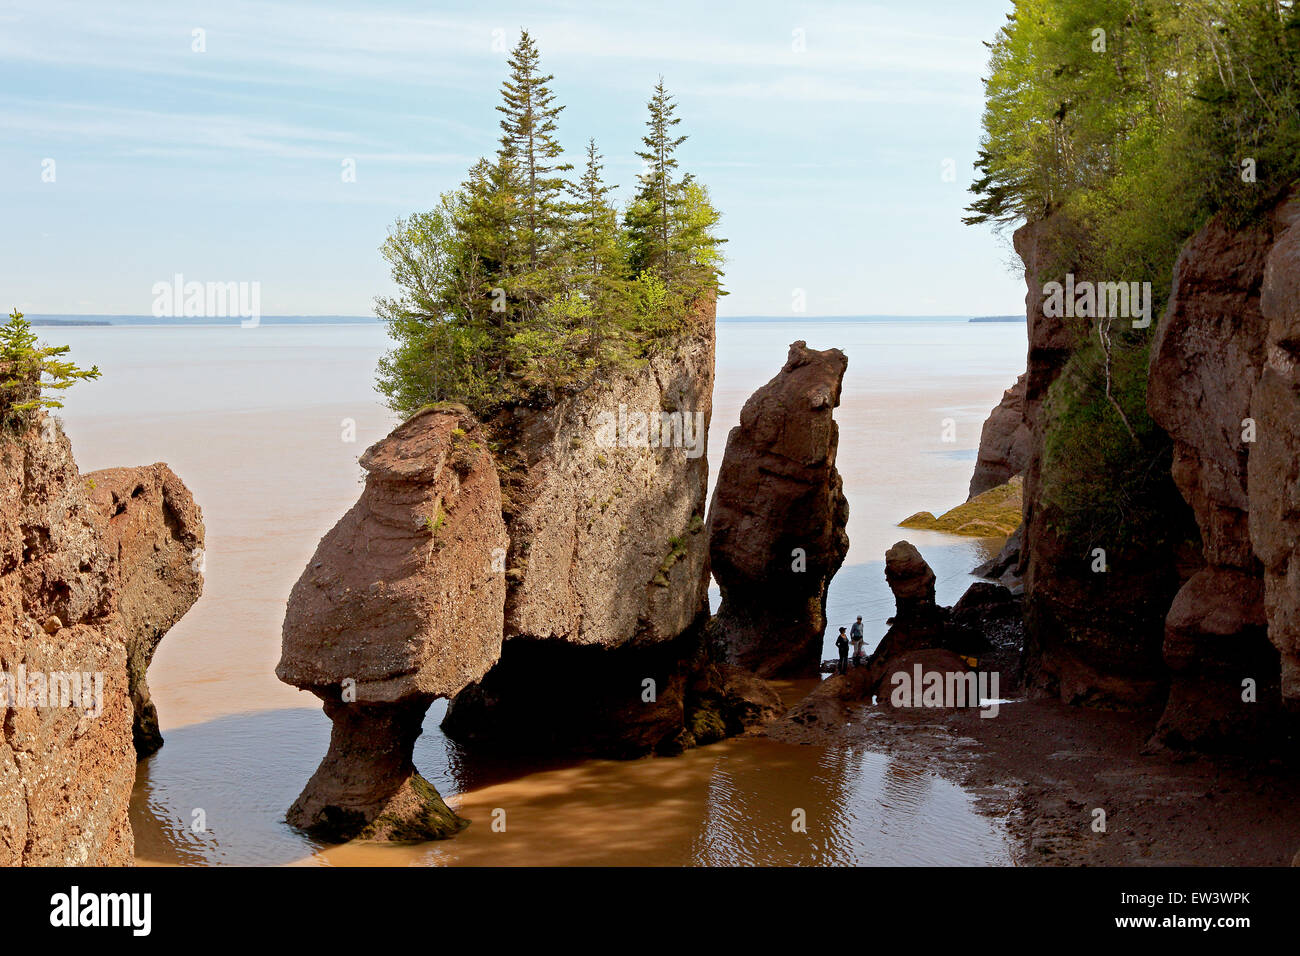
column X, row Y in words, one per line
column 258, row 421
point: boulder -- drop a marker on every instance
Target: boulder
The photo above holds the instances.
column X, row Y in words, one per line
column 911, row 580
column 1003, row 567
column 401, row 604
column 894, row 681
column 777, row 519
column 919, row 623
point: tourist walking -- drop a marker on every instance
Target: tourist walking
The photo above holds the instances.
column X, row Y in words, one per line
column 857, row 640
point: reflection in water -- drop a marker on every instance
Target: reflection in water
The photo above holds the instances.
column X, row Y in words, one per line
column 861, row 808
column 728, row 804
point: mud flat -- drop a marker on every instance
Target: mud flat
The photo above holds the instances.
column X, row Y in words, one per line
column 1044, row 768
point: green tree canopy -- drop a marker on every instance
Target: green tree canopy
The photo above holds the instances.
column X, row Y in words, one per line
column 523, row 285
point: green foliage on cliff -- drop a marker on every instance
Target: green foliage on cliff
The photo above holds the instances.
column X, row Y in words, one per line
column 1141, row 114
column 29, row 369
column 1128, row 124
column 523, row 285
column 1109, row 487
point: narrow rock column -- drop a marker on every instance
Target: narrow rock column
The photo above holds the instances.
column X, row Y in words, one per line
column 776, row 523
column 154, row 530
column 367, row 786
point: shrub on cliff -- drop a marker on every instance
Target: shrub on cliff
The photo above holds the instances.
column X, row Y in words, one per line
column 521, row 285
column 29, row 369
column 1105, row 478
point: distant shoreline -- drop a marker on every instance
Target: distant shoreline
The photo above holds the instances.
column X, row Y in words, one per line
column 104, row 320
column 196, row 321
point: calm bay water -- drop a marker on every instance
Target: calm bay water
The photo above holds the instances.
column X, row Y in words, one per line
column 258, row 421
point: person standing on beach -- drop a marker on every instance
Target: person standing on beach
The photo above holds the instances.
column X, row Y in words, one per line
column 855, row 634
column 842, row 645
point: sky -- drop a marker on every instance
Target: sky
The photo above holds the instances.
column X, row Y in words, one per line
column 212, row 140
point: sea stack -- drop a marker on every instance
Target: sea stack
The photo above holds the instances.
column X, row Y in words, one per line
column 777, row 520
column 1004, row 442
column 606, row 650
column 401, row 604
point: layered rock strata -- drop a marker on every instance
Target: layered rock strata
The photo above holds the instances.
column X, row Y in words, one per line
column 608, row 648
column 1206, row 360
column 401, row 604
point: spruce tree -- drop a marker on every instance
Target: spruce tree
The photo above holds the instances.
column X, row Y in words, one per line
column 598, row 263
column 651, row 214
column 594, row 228
column 528, row 142
column 485, row 225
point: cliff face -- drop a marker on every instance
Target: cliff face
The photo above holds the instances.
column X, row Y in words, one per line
column 776, row 524
column 1206, row 360
column 606, row 648
column 79, row 570
column 1004, row 442
column 401, row 604
column 1274, row 465
column 1091, row 637
column 606, row 501
column 1223, row 384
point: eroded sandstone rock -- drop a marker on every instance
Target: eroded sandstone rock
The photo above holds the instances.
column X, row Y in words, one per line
column 74, row 590
column 911, row 579
column 1004, row 442
column 153, row 528
column 1206, row 360
column 919, row 622
column 607, row 648
column 1274, row 465
column 401, row 604
column 777, row 520
column 1092, row 637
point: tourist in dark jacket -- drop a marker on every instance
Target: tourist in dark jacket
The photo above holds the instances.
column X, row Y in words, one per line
column 842, row 645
